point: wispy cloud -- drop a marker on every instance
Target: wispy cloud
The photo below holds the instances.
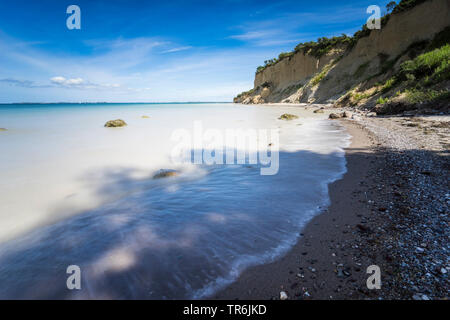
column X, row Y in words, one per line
column 124, row 71
column 22, row 83
column 254, row 35
column 178, row 49
column 293, row 27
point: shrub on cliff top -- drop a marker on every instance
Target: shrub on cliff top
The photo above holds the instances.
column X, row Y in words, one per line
column 406, row 5
column 323, row 45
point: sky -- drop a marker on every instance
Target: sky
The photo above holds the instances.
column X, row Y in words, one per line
column 155, row 51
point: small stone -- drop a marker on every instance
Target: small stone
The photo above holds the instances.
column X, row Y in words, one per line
column 115, row 123
column 318, row 111
column 443, row 270
column 283, row 295
column 419, row 249
column 288, row 117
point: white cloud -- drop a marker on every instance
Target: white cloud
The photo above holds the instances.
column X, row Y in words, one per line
column 67, row 82
column 58, row 80
column 253, row 35
column 76, row 81
column 177, row 49
column 124, row 71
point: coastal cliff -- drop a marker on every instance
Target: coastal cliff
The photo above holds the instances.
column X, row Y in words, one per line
column 364, row 69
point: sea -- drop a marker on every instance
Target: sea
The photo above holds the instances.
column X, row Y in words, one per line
column 76, row 195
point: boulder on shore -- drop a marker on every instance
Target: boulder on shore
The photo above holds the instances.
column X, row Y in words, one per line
column 334, row 116
column 288, row 117
column 115, row 123
column 165, row 173
column 347, row 114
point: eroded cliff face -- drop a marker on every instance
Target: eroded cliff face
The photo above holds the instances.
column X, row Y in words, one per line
column 304, row 78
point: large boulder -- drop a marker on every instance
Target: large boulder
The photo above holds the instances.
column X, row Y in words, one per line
column 288, row 117
column 115, row 123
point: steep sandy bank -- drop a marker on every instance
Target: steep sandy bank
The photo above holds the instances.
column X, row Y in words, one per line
column 304, row 78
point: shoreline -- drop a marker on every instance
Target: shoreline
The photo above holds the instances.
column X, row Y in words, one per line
column 390, row 209
column 309, row 269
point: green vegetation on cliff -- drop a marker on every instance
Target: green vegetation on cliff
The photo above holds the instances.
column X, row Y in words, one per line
column 427, row 69
column 324, row 45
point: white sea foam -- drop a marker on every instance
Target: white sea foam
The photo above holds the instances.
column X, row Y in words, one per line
column 74, row 192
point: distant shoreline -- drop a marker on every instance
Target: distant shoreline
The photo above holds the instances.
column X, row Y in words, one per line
column 44, row 103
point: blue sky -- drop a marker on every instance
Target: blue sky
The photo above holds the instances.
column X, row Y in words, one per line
column 155, row 51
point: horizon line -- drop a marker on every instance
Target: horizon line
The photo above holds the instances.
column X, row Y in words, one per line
column 65, row 102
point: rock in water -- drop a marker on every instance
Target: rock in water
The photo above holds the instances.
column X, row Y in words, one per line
column 145, row 117
column 165, row 173
column 283, row 295
column 3, row 129
column 115, row 123
column 288, row 117
column 319, row 111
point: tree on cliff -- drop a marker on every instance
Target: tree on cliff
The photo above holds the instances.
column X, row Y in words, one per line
column 390, row 6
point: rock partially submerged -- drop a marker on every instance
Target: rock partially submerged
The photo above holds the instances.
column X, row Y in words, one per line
column 145, row 117
column 319, row 111
column 3, row 129
column 115, row 123
column 288, row 117
column 165, row 173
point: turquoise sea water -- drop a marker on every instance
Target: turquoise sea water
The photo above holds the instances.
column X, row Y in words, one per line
column 75, row 193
